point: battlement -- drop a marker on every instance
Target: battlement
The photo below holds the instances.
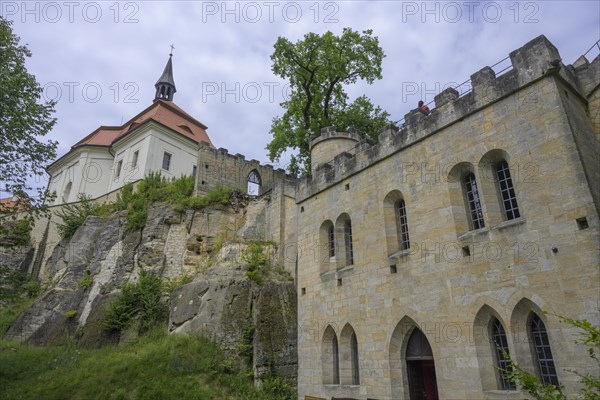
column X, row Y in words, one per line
column 217, row 167
column 534, row 61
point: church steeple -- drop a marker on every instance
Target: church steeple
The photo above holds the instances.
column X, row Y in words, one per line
column 165, row 86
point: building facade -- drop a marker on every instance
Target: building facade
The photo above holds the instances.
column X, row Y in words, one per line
column 161, row 138
column 425, row 258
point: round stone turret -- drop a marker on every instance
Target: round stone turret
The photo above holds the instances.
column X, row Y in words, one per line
column 331, row 143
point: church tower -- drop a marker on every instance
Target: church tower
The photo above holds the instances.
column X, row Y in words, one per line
column 165, row 86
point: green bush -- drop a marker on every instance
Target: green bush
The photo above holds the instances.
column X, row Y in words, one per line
column 137, row 300
column 590, row 337
column 137, row 213
column 18, row 231
column 124, row 197
column 74, row 215
column 219, row 195
column 16, row 285
column 255, row 259
column 87, row 280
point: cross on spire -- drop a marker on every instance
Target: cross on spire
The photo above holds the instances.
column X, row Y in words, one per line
column 171, row 53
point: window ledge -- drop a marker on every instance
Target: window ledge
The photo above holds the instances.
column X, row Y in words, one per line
column 502, row 394
column 473, row 233
column 509, row 223
column 347, row 270
column 401, row 256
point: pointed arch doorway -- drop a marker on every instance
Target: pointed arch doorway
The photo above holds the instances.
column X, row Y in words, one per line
column 420, row 368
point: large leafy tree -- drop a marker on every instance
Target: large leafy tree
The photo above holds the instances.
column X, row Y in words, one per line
column 24, row 118
column 317, row 68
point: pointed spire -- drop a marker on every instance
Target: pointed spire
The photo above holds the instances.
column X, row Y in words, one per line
column 165, row 86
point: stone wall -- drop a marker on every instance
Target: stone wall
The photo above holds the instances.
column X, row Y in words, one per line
column 216, row 167
column 453, row 279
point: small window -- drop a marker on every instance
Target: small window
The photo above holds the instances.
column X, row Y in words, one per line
column 473, row 202
column 118, row 170
column 194, row 170
column 135, row 158
column 166, row 164
column 582, row 223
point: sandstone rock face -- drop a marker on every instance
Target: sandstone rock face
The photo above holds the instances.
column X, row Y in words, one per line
column 227, row 311
column 204, row 246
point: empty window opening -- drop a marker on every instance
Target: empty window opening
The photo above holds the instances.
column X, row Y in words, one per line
column 254, row 183
column 354, row 359
column 582, row 223
column 466, row 251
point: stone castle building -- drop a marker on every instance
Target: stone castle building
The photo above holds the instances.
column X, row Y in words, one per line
column 424, row 257
column 420, row 260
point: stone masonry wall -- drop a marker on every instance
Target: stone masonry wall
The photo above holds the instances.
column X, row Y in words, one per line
column 542, row 261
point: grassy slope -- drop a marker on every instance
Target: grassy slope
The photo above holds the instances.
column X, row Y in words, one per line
column 158, row 366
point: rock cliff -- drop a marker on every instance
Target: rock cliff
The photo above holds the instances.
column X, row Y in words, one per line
column 253, row 319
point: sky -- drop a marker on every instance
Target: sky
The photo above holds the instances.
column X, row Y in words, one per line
column 100, row 59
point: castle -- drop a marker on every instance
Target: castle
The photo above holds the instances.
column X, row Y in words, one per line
column 425, row 258
column 422, row 260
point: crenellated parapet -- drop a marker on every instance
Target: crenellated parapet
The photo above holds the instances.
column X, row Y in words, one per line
column 217, row 167
column 338, row 155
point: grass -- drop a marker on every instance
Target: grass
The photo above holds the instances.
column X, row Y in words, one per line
column 158, row 366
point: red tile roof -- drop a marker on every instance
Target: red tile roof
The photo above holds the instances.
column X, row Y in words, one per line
column 164, row 112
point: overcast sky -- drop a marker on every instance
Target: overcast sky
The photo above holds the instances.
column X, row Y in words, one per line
column 100, row 60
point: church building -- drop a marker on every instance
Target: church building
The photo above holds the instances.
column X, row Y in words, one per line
column 163, row 138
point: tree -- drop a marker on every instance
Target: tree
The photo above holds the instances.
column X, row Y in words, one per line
column 23, row 118
column 317, row 68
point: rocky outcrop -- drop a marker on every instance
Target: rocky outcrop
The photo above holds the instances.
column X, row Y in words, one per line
column 222, row 302
column 245, row 318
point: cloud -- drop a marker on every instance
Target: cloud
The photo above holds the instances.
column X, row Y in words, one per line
column 428, row 44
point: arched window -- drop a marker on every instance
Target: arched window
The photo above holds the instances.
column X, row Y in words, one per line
column 344, row 242
column 326, row 246
column 402, row 225
column 507, row 191
column 331, row 241
column 472, row 198
column 349, row 368
column 354, row 359
column 500, row 346
column 348, row 243
column 254, row 183
column 396, row 222
column 330, row 358
column 542, row 351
